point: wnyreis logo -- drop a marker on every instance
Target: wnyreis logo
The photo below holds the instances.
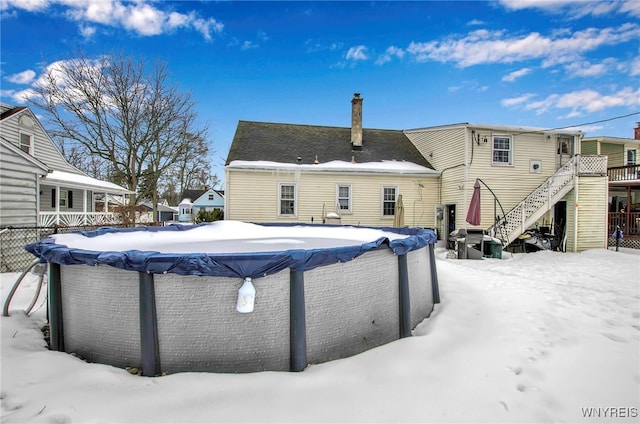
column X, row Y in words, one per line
column 610, row 412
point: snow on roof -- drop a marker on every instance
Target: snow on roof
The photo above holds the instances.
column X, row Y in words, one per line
column 83, row 182
column 386, row 166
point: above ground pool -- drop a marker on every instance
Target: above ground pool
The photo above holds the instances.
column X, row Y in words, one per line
column 235, row 297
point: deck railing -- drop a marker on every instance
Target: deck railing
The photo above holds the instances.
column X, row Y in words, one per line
column 75, row 219
column 624, row 173
column 629, row 223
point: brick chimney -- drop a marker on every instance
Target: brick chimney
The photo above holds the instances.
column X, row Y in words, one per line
column 356, row 122
column 636, row 132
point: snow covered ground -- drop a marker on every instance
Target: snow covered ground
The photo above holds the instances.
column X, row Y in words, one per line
column 540, row 337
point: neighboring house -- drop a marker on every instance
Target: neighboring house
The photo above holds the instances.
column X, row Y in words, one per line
column 38, row 186
column 165, row 213
column 194, row 201
column 300, row 173
column 624, row 182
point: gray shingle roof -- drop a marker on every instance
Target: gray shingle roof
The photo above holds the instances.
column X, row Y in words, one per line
column 265, row 141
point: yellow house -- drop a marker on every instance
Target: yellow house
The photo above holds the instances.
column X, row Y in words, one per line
column 306, row 173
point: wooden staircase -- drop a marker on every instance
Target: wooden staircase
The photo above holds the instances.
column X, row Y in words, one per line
column 536, row 204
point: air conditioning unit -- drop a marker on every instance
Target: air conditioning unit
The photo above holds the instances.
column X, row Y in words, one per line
column 535, row 166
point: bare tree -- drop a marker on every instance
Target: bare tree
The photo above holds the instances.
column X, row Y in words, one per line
column 135, row 121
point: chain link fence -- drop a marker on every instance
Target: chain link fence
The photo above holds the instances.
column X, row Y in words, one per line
column 13, row 257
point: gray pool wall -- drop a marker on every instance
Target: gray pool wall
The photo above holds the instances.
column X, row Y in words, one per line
column 349, row 308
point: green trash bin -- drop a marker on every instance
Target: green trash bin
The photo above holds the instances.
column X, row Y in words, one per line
column 495, row 249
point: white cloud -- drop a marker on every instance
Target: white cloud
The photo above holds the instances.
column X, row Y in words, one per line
column 516, row 101
column 575, row 8
column 21, row 96
column 87, row 31
column 485, row 47
column 635, row 67
column 143, row 17
column 475, row 22
column 24, row 77
column 28, row 5
column 389, row 54
column 357, row 53
column 578, row 102
column 248, row 45
column 512, row 76
column 587, row 69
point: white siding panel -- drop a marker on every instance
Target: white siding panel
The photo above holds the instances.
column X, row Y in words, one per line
column 592, row 213
column 18, row 190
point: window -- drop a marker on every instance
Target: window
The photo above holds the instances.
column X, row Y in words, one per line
column 65, row 201
column 26, row 143
column 63, row 198
column 211, row 197
column 287, row 199
column 632, row 157
column 389, row 201
column 343, row 198
column 502, row 150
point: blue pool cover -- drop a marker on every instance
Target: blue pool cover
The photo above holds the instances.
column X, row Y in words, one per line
column 241, row 265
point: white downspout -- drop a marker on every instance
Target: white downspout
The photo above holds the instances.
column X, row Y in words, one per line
column 57, row 205
column 38, row 200
column 575, row 210
column 225, row 204
column 466, row 172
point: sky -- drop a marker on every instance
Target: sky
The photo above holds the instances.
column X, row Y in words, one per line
column 544, row 337
column 536, row 63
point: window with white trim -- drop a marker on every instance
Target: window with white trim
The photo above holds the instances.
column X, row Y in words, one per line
column 26, row 143
column 343, row 198
column 631, row 158
column 287, row 199
column 211, row 197
column 502, row 150
column 64, row 194
column 389, row 196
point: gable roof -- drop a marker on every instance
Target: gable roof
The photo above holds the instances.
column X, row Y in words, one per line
column 11, row 111
column 192, row 194
column 285, row 143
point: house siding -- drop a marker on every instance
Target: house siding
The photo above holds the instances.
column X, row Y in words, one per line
column 590, row 147
column 18, row 189
column 257, row 198
column 445, row 150
column 511, row 184
column 587, row 215
column 592, row 213
column 448, row 149
column 46, row 199
column 615, row 152
column 43, row 147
